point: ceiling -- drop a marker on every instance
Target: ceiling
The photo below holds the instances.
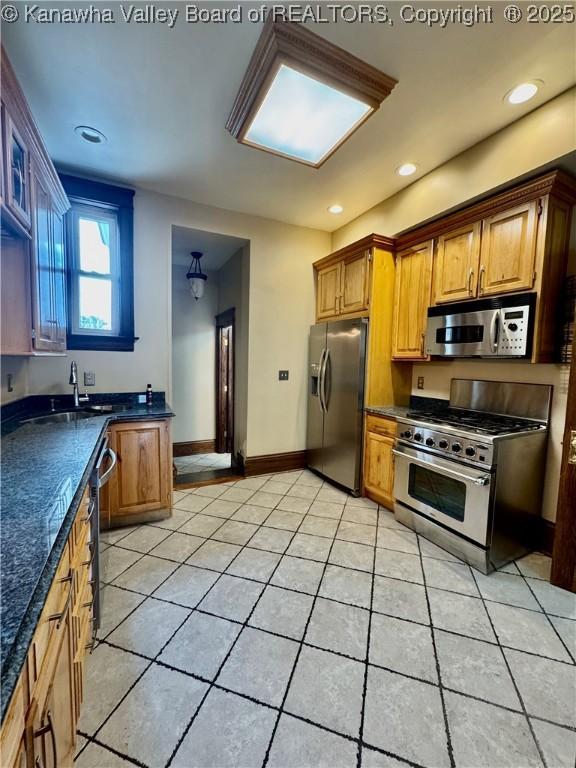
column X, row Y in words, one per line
column 162, row 97
column 216, row 249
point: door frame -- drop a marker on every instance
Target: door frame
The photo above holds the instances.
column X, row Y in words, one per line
column 225, row 398
column 564, row 551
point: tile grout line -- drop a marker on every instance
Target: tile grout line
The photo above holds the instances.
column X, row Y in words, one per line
column 190, row 611
column 367, row 660
column 245, row 624
column 437, row 662
column 296, row 660
column 521, row 700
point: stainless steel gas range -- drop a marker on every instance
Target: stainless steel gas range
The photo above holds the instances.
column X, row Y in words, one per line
column 470, row 476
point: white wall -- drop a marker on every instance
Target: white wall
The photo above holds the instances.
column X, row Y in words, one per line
column 18, row 368
column 437, row 378
column 193, row 359
column 281, row 297
column 234, row 291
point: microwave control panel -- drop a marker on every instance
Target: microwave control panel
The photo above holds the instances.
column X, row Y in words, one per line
column 513, row 333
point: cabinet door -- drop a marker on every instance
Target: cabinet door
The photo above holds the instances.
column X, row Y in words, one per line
column 17, row 173
column 142, row 479
column 508, row 250
column 15, row 292
column 42, row 270
column 379, row 467
column 412, row 288
column 59, row 283
column 328, row 281
column 456, row 264
column 354, row 284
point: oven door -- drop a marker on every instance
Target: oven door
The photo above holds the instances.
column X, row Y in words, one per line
column 455, row 495
column 470, row 334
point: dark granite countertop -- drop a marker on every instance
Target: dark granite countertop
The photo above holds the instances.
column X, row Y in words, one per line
column 392, row 411
column 45, row 469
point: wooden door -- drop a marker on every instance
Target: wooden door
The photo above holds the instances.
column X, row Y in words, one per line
column 354, row 284
column 379, row 467
column 412, row 288
column 141, row 482
column 328, row 281
column 508, row 250
column 225, row 381
column 42, row 271
column 59, row 282
column 564, row 551
column 456, row 264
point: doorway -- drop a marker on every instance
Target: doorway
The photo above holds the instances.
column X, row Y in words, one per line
column 225, row 338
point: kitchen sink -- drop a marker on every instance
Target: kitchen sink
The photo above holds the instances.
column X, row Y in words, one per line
column 63, row 417
column 110, row 408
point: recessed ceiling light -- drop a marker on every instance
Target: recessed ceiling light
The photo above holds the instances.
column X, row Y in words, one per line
column 89, row 134
column 302, row 96
column 407, row 169
column 335, row 208
column 523, row 92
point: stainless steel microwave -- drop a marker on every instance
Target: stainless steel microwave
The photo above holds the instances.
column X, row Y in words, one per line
column 497, row 327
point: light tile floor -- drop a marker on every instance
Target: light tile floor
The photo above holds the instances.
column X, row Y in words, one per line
column 277, row 621
column 201, row 462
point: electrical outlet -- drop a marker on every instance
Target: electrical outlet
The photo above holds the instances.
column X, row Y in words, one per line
column 89, row 379
column 420, row 382
column 9, row 382
column 282, row 375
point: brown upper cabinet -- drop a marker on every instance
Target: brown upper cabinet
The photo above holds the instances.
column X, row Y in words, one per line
column 514, row 241
column 412, row 290
column 489, row 257
column 358, row 281
column 33, row 204
column 343, row 284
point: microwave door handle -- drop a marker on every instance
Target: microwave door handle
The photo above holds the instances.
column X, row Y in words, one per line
column 483, row 480
column 495, row 330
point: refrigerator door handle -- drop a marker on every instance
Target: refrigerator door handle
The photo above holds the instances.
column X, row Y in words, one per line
column 320, row 374
column 323, row 383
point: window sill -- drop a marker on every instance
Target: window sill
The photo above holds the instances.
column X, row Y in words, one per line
column 101, row 343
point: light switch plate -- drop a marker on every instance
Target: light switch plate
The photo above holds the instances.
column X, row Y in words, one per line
column 141, row 398
column 89, row 379
column 282, row 375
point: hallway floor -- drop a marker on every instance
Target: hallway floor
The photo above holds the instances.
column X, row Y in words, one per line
column 202, row 462
column 278, row 621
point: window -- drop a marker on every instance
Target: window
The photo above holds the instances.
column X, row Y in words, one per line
column 99, row 238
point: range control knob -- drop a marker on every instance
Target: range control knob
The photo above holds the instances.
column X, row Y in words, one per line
column 513, row 327
column 443, row 444
column 407, row 434
column 470, row 451
column 430, row 442
column 456, row 447
column 418, row 437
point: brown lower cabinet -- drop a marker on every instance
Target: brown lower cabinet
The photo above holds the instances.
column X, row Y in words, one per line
column 378, row 474
column 39, row 729
column 141, row 488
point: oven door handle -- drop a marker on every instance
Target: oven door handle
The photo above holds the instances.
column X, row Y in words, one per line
column 483, row 480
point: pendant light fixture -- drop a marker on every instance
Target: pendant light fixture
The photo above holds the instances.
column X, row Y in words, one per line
column 196, row 278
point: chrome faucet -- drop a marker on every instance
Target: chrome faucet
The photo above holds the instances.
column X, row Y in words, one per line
column 74, row 383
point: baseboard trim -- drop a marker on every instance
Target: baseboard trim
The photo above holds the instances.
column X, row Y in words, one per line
column 546, row 538
column 274, row 462
column 194, row 447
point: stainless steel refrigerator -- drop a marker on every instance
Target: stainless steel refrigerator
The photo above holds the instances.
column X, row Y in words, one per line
column 337, row 354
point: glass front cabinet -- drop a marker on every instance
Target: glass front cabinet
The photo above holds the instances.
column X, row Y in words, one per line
column 16, row 172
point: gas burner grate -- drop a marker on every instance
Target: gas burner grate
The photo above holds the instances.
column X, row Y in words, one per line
column 475, row 421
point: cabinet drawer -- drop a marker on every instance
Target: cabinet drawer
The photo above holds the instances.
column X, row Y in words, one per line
column 82, row 522
column 61, row 592
column 381, row 425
